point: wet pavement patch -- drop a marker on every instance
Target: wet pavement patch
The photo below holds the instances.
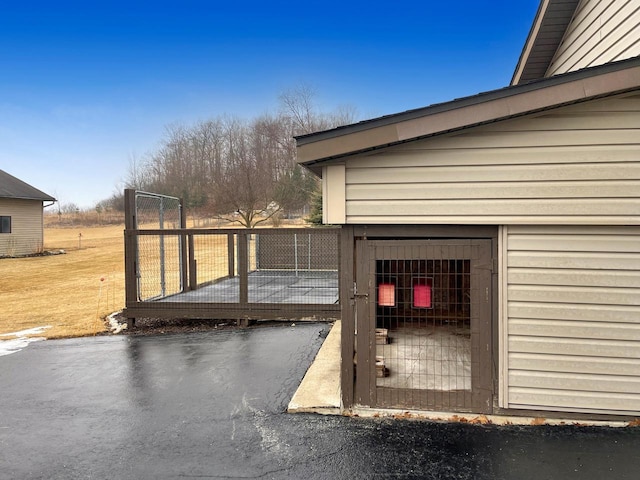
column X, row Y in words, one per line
column 211, row 405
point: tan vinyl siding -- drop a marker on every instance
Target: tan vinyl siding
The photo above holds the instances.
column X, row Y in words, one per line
column 574, row 165
column 26, row 235
column 333, row 194
column 572, row 319
column 601, row 32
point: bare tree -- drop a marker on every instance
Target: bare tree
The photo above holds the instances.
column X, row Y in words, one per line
column 245, row 171
column 135, row 173
column 294, row 189
column 243, row 188
column 297, row 104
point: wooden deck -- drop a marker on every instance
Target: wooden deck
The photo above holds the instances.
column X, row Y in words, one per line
column 269, row 286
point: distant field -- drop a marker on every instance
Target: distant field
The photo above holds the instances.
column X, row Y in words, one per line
column 70, row 292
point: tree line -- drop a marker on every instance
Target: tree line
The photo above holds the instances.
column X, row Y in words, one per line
column 240, row 170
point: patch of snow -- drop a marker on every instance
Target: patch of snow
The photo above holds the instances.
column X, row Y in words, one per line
column 114, row 325
column 29, row 331
column 21, row 339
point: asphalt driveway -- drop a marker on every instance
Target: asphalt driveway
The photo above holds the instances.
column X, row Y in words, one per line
column 211, row 405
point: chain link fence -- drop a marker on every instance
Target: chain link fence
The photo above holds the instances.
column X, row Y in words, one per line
column 157, row 212
column 175, row 272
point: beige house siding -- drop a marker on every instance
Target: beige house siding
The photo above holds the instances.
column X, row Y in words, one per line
column 26, row 235
column 333, row 194
column 601, row 31
column 573, row 165
column 571, row 319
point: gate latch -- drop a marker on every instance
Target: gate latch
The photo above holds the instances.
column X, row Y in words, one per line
column 358, row 295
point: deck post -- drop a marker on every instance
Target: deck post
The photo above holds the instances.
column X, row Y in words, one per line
column 193, row 273
column 243, row 268
column 243, row 272
column 184, row 268
column 130, row 251
column 347, row 304
column 231, row 255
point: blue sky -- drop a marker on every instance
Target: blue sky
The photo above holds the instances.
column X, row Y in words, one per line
column 86, row 86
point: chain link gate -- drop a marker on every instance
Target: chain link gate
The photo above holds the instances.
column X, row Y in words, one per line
column 159, row 258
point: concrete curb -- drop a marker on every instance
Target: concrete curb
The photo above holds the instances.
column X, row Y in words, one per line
column 319, row 391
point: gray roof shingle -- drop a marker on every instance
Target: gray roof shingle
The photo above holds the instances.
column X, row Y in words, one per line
column 12, row 187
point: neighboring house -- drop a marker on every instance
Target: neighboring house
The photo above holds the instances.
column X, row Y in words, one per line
column 495, row 239
column 21, row 217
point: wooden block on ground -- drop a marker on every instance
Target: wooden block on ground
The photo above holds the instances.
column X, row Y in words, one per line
column 381, row 370
column 382, row 336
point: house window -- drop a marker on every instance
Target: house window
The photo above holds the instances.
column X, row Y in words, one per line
column 5, row 224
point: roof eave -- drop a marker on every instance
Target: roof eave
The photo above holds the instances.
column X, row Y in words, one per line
column 551, row 22
column 497, row 105
column 44, row 198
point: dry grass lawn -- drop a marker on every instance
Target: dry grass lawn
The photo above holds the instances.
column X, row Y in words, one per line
column 72, row 292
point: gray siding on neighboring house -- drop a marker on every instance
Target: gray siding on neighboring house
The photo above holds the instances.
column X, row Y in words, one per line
column 26, row 235
column 600, row 32
column 573, row 165
column 570, row 336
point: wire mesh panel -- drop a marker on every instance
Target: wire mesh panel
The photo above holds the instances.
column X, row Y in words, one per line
column 423, row 304
column 296, row 267
column 298, row 251
column 216, row 268
column 159, row 257
column 159, row 266
column 157, row 212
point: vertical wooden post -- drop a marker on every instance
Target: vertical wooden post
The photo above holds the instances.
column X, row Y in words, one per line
column 130, row 252
column 365, row 372
column 481, row 321
column 193, row 273
column 243, row 268
column 231, row 253
column 183, row 249
column 347, row 307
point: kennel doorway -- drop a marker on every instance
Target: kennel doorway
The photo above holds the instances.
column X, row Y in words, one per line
column 424, row 334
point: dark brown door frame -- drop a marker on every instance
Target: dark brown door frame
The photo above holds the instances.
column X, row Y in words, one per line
column 354, row 259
